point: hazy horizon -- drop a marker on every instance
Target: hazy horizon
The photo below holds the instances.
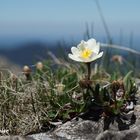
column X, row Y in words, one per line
column 52, row 21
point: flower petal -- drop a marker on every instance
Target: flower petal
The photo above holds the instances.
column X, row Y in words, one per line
column 94, row 57
column 75, row 51
column 75, row 58
column 131, row 106
column 91, row 43
column 81, row 46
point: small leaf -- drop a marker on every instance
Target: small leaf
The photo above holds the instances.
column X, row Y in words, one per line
column 127, row 81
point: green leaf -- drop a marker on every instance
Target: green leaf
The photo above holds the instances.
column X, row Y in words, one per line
column 127, row 81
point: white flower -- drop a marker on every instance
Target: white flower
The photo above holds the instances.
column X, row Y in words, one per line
column 130, row 106
column 86, row 51
column 119, row 95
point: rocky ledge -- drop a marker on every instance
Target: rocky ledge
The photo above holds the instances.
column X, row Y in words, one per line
column 79, row 129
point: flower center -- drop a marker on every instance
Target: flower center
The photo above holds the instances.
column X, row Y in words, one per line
column 86, row 53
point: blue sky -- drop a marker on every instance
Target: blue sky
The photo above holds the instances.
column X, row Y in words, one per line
column 65, row 19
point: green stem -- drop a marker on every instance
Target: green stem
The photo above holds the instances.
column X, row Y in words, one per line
column 89, row 70
column 88, row 79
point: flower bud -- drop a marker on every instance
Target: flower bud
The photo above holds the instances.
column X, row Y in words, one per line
column 27, row 72
column 115, row 86
column 39, row 66
column 60, row 87
column 85, row 83
column 117, row 58
column 120, row 94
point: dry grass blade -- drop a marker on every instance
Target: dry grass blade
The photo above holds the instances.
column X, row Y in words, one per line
column 120, row 48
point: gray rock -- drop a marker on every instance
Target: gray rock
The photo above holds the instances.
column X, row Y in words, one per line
column 42, row 136
column 132, row 134
column 15, row 138
column 109, row 135
column 137, row 114
column 89, row 130
column 78, row 130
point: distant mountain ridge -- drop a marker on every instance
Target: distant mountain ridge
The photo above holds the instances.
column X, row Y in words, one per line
column 26, row 54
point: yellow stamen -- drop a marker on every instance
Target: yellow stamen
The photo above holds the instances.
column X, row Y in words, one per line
column 86, row 53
